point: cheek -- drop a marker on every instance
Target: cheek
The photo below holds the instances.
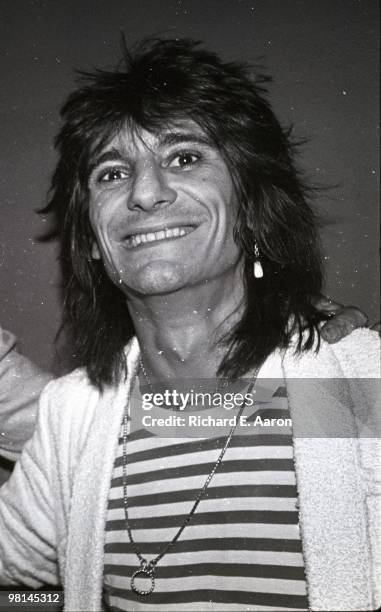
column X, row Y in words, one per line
column 101, row 248
column 98, row 240
column 106, row 211
column 100, row 214
column 226, row 214
column 96, row 213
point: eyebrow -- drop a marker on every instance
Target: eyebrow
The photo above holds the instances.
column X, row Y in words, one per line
column 110, row 155
column 173, row 138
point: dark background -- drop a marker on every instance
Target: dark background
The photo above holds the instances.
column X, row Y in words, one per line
column 323, row 55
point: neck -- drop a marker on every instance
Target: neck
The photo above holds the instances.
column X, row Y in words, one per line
column 179, row 332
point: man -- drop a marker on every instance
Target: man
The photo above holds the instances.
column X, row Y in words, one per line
column 190, row 253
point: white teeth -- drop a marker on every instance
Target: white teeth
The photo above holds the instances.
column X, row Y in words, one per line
column 173, row 232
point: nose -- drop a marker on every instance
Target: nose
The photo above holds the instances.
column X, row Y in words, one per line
column 150, row 188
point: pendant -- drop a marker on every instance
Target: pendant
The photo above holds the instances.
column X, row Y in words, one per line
column 146, row 571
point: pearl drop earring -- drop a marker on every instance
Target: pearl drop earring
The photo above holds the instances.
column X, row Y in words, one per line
column 258, row 270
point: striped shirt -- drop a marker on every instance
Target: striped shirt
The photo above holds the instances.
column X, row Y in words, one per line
column 242, row 548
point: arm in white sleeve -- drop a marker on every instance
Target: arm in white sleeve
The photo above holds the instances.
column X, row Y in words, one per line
column 21, row 383
column 28, row 540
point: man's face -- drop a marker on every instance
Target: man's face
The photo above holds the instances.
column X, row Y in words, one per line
column 162, row 207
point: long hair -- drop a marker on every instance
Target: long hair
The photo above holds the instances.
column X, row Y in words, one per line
column 156, row 83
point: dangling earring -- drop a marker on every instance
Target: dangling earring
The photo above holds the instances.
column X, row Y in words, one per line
column 258, row 270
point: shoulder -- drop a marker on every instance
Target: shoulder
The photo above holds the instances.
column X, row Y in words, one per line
column 69, row 398
column 75, row 382
column 75, row 395
column 359, row 354
column 343, row 388
column 355, row 356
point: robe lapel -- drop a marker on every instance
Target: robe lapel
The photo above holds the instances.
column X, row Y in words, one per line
column 84, row 578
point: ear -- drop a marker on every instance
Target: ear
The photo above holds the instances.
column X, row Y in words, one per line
column 95, row 254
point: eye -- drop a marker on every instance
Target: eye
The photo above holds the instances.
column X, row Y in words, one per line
column 183, row 159
column 112, row 174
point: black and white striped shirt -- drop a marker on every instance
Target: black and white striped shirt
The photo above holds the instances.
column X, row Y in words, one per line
column 242, row 548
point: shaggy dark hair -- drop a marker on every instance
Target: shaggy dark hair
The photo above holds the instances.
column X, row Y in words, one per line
column 158, row 82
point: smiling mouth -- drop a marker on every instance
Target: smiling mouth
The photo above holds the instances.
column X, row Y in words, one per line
column 165, row 234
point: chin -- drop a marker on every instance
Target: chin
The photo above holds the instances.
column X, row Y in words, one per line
column 158, row 278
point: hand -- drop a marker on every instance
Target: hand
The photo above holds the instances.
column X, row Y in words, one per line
column 343, row 319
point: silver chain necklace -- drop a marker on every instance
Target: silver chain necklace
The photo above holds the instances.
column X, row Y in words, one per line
column 148, row 568
column 145, row 374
